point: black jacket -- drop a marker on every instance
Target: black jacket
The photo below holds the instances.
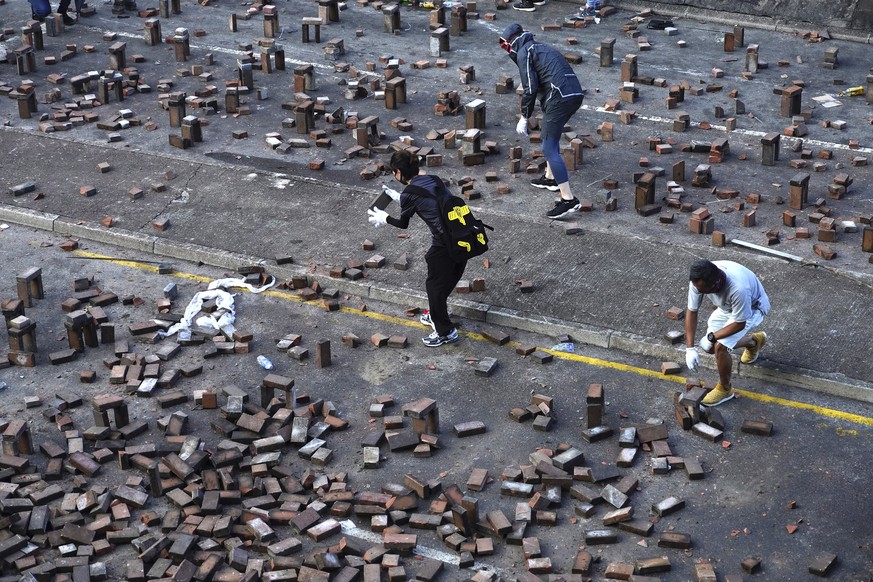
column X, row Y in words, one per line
column 425, row 206
column 544, row 73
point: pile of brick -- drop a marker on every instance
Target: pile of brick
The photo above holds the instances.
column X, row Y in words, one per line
column 188, row 510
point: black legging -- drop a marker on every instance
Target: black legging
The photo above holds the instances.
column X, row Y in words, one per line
column 555, row 117
column 443, row 275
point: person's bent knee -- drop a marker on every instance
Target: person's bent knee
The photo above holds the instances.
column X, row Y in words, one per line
column 551, row 148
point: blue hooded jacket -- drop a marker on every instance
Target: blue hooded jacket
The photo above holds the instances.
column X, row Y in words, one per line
column 545, row 73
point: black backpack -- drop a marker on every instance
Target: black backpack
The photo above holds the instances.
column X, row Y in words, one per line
column 463, row 233
column 659, row 24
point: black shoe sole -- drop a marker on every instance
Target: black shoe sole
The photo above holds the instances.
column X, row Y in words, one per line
column 443, row 343
column 565, row 213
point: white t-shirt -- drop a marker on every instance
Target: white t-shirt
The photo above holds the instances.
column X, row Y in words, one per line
column 741, row 294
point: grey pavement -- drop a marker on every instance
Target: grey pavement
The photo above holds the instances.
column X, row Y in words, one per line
column 233, row 202
column 851, row 19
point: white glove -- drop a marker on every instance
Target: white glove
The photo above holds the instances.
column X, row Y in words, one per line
column 521, row 128
column 692, row 358
column 394, row 194
column 377, row 217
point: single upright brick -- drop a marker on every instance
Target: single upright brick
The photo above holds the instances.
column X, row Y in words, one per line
column 322, row 353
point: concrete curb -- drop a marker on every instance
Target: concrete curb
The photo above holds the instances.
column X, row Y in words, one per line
column 112, row 236
column 28, row 217
column 812, row 380
column 727, row 18
column 205, row 255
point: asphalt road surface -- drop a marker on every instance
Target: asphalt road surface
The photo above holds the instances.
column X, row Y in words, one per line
column 807, row 475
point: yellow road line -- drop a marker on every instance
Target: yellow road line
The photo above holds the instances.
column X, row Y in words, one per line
column 614, row 365
column 829, row 412
column 125, row 262
column 597, row 362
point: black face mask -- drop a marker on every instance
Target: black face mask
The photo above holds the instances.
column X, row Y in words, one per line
column 507, row 46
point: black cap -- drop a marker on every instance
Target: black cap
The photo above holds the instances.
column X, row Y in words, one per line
column 512, row 31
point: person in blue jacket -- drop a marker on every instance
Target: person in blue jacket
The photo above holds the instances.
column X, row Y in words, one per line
column 545, row 74
column 41, row 8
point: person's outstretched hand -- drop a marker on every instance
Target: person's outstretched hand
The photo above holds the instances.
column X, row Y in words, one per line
column 377, row 217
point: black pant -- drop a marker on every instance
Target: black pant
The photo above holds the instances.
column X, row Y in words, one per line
column 443, row 275
column 64, row 6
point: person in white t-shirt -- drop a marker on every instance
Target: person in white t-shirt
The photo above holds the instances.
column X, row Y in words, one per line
column 740, row 306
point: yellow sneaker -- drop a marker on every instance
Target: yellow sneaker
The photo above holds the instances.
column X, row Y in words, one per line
column 751, row 354
column 717, row 395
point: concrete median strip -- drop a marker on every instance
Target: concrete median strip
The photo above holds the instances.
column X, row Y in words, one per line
column 600, row 337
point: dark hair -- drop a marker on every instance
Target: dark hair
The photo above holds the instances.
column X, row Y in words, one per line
column 703, row 270
column 406, row 162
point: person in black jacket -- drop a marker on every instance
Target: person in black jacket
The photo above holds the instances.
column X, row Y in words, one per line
column 443, row 273
column 545, row 74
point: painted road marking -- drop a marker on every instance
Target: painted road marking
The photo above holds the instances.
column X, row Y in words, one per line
column 723, row 128
column 588, row 360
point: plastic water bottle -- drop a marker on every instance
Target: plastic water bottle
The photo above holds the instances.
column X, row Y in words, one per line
column 265, row 362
